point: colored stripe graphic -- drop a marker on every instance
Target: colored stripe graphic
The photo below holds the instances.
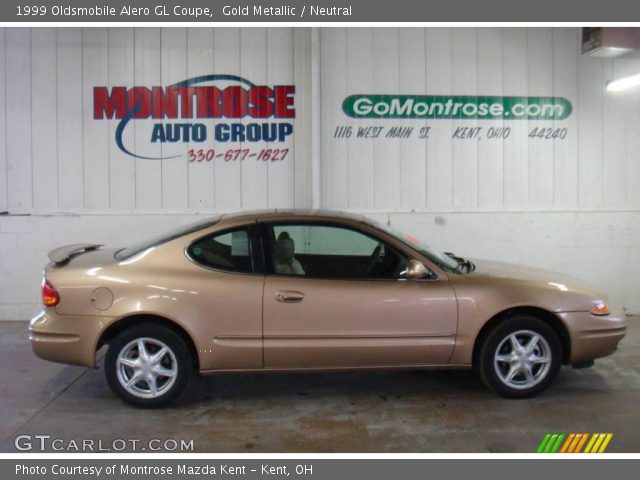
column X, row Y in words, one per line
column 574, row 442
column 543, row 443
column 551, row 442
column 607, row 439
column 598, row 443
column 590, row 444
column 556, row 445
column 568, row 442
column 582, row 442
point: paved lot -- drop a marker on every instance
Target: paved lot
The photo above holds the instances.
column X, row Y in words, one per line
column 364, row 412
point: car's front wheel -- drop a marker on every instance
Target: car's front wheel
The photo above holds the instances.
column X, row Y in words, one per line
column 520, row 357
column 148, row 365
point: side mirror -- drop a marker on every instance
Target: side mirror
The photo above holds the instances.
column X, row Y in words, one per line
column 417, row 271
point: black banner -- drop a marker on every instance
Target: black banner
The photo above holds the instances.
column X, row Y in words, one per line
column 207, row 11
column 313, row 469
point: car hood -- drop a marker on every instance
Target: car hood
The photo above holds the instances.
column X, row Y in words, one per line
column 532, row 276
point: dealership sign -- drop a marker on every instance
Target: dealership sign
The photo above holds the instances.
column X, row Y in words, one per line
column 456, row 107
column 178, row 114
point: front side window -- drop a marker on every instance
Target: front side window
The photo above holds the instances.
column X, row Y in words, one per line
column 227, row 250
column 330, row 251
column 441, row 259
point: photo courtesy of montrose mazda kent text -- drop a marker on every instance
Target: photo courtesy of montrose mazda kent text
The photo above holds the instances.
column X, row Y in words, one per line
column 309, row 291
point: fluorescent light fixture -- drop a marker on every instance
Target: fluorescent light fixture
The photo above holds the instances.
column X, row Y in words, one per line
column 624, row 83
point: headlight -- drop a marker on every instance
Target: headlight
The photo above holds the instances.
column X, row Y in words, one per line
column 600, row 309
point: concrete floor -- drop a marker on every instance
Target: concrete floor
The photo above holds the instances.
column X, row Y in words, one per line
column 348, row 412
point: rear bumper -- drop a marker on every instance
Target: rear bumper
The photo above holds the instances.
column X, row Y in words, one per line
column 65, row 338
column 593, row 336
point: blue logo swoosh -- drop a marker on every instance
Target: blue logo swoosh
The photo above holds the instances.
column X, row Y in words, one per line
column 184, row 83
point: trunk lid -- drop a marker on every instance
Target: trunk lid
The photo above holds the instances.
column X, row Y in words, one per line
column 61, row 255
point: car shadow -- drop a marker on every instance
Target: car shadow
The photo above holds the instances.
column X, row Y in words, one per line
column 385, row 385
column 445, row 384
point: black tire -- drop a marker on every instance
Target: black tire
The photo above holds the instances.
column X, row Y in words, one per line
column 495, row 374
column 174, row 386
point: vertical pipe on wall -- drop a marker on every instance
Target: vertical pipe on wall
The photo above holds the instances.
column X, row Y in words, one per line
column 4, row 186
column 316, row 186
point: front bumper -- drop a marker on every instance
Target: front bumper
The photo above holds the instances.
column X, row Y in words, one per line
column 593, row 336
column 66, row 338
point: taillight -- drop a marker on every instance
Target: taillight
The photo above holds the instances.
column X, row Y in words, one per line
column 50, row 297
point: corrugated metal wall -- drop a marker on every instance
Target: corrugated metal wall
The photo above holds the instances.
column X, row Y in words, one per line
column 597, row 165
column 59, row 159
column 580, row 195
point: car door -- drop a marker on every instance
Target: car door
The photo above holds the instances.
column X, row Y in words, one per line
column 328, row 304
column 227, row 285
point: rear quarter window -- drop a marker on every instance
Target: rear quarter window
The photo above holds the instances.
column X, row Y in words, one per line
column 129, row 252
column 229, row 251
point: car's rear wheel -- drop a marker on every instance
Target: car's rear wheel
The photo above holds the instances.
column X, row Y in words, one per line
column 148, row 365
column 520, row 357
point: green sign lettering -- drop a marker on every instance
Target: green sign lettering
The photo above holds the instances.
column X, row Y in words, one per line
column 456, row 107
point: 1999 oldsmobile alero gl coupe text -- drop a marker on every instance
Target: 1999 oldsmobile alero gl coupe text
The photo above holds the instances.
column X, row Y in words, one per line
column 309, row 290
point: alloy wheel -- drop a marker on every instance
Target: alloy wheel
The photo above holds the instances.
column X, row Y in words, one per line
column 522, row 359
column 146, row 368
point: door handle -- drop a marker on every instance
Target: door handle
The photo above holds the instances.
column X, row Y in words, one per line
column 289, row 296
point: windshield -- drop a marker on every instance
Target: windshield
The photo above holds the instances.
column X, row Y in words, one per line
column 129, row 252
column 441, row 259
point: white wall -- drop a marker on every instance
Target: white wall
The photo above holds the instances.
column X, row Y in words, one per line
column 596, row 167
column 571, row 205
column 58, row 158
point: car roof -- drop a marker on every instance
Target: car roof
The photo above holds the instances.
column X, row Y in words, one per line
column 294, row 213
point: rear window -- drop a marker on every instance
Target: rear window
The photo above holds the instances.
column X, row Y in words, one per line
column 129, row 252
column 229, row 250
